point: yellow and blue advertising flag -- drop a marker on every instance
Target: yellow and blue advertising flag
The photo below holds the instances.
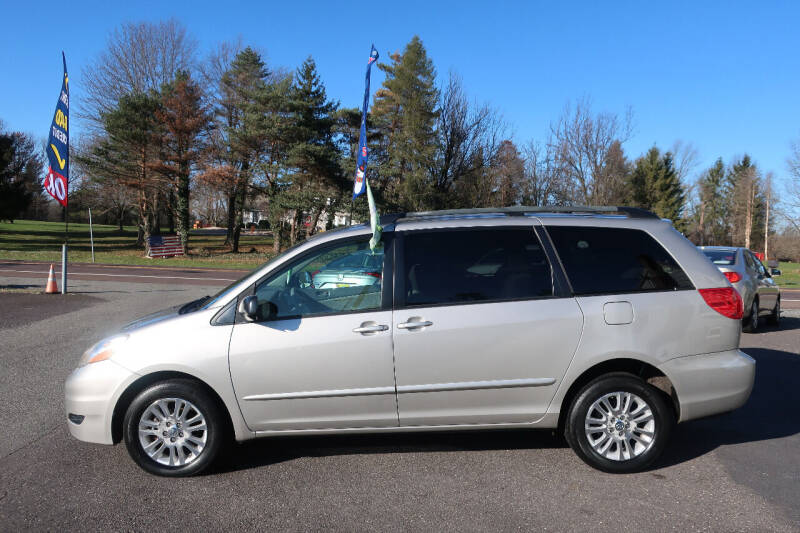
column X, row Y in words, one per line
column 57, row 178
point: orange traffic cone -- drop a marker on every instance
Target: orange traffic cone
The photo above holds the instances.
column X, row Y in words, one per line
column 51, row 288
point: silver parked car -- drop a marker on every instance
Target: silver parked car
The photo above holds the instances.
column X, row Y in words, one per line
column 604, row 323
column 362, row 267
column 761, row 296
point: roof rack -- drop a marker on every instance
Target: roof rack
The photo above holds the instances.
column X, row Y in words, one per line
column 521, row 210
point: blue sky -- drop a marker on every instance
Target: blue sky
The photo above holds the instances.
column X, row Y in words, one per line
column 724, row 76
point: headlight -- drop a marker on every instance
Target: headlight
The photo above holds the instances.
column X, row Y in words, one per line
column 102, row 350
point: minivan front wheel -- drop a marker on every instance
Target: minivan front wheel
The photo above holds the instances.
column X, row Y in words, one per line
column 173, row 428
column 618, row 423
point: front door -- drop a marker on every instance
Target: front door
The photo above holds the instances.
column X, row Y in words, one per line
column 483, row 334
column 320, row 354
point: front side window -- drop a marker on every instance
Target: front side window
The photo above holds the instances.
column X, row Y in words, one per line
column 447, row 267
column 339, row 278
column 615, row 260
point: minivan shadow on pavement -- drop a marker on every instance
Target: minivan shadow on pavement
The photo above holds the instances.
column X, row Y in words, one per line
column 263, row 452
column 768, row 414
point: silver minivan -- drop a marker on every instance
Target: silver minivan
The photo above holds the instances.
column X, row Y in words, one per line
column 603, row 323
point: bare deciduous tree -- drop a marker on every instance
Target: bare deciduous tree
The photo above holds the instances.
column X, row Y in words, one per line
column 544, row 184
column 685, row 158
column 581, row 140
column 139, row 57
column 468, row 134
column 791, row 200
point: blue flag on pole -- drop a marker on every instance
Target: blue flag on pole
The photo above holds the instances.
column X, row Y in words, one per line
column 360, row 183
column 57, row 178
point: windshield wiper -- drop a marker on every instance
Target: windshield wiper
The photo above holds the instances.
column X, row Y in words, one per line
column 194, row 305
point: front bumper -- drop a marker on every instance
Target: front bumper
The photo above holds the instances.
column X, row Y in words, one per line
column 713, row 383
column 91, row 392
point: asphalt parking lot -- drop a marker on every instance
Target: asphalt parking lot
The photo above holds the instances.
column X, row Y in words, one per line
column 735, row 472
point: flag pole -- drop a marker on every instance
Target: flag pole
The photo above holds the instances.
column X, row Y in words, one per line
column 64, row 250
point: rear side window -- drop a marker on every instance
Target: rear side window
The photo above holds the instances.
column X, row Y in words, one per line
column 615, row 260
column 446, row 267
column 721, row 257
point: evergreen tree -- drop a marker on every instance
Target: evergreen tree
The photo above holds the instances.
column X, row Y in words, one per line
column 609, row 186
column 244, row 91
column 184, row 117
column 19, row 166
column 745, row 202
column 312, row 155
column 21, row 171
column 712, row 210
column 655, row 185
column 405, row 112
column 125, row 155
column 509, row 175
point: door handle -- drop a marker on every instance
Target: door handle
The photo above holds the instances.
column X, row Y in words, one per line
column 414, row 325
column 371, row 329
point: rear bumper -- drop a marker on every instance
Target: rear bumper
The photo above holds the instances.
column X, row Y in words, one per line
column 91, row 392
column 712, row 383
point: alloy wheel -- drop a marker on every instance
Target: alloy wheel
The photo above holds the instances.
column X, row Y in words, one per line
column 173, row 431
column 620, row 426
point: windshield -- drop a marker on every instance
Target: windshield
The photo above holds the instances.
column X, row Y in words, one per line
column 721, row 257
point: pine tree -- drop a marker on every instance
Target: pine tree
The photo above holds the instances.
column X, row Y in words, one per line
column 655, row 185
column 184, row 117
column 312, row 155
column 126, row 154
column 405, row 112
column 746, row 202
column 509, row 175
column 712, row 210
column 609, row 186
column 243, row 91
column 21, row 170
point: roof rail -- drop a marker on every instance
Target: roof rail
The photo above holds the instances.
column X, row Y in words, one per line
column 521, row 210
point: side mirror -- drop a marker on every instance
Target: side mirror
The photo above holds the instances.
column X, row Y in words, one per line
column 249, row 308
column 775, row 271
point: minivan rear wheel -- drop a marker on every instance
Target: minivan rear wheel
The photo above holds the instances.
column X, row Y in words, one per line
column 618, row 423
column 173, row 428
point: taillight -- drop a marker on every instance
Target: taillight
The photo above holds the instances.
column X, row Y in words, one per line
column 733, row 277
column 373, row 274
column 314, row 273
column 725, row 301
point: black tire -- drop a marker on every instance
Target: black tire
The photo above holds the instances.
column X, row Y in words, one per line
column 663, row 418
column 775, row 317
column 198, row 400
column 751, row 322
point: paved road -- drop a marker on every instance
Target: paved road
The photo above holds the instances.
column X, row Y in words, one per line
column 736, row 472
column 121, row 273
column 790, row 298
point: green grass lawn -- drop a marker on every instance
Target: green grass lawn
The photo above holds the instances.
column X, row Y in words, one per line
column 41, row 241
column 790, row 276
